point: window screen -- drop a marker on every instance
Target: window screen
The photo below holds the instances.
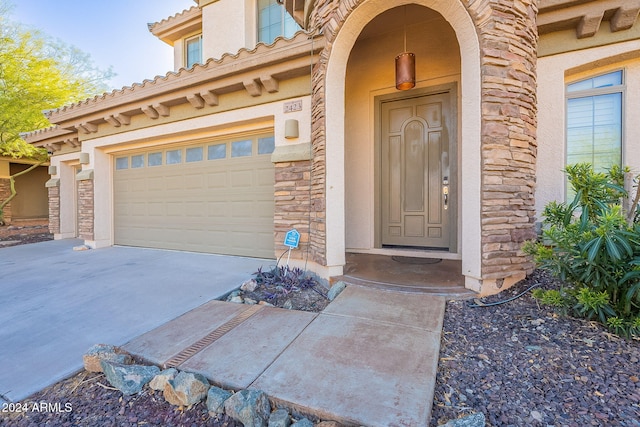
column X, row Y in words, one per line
column 594, row 121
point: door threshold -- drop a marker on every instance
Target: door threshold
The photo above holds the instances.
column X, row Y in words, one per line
column 408, row 252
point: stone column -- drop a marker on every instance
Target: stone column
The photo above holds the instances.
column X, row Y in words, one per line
column 85, row 206
column 508, row 38
column 54, row 207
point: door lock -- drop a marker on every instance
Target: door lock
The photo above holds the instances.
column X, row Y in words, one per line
column 445, row 191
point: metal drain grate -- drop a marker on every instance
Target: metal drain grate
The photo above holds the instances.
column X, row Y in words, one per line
column 211, row 337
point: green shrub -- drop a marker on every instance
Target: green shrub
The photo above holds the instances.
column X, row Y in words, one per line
column 589, row 244
column 552, row 297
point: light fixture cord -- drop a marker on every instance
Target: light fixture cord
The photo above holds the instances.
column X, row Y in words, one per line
column 404, row 24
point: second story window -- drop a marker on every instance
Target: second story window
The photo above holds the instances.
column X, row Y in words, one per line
column 193, row 51
column 274, row 21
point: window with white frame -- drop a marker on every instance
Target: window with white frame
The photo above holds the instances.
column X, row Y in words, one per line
column 193, row 51
column 274, row 21
column 594, row 121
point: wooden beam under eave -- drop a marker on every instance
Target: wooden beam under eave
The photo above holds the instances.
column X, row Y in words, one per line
column 113, row 121
column 150, row 112
column 211, row 98
column 589, row 25
column 73, row 142
column 162, row 109
column 87, row 128
column 253, row 87
column 196, row 101
column 625, row 17
column 125, row 120
column 270, row 83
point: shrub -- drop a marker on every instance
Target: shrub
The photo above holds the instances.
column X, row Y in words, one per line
column 283, row 280
column 590, row 244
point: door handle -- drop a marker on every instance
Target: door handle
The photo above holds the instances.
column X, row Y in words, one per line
column 445, row 191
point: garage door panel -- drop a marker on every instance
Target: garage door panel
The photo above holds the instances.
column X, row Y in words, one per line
column 217, row 180
column 219, row 206
column 241, row 178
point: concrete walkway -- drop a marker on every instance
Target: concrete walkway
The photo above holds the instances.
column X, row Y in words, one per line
column 55, row 303
column 370, row 358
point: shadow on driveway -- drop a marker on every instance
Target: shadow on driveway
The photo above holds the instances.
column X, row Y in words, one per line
column 55, row 303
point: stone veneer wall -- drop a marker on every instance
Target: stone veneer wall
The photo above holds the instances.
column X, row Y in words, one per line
column 508, row 41
column 54, row 209
column 5, row 192
column 85, row 209
column 292, row 198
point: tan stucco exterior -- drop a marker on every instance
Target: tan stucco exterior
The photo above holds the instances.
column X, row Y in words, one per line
column 330, row 80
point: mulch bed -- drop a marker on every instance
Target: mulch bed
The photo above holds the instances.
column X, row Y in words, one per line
column 518, row 363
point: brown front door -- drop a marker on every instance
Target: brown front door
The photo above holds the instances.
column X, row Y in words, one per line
column 416, row 179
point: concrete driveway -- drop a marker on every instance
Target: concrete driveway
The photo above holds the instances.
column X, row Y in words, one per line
column 55, row 303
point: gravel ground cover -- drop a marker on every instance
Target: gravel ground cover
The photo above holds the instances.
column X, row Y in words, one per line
column 524, row 365
column 24, row 232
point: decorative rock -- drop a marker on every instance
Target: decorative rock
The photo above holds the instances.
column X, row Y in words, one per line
column 288, row 304
column 186, row 389
column 250, row 407
column 302, row 423
column 268, row 304
column 249, row 286
column 237, row 299
column 159, row 381
column 335, row 290
column 472, row 420
column 279, row 418
column 215, row 400
column 250, row 301
column 129, row 379
column 100, row 352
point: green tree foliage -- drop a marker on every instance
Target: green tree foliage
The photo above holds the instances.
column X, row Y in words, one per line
column 590, row 245
column 37, row 74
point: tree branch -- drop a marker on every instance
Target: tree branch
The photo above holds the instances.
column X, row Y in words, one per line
column 12, row 186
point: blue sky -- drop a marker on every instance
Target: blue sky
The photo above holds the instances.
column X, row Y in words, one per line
column 113, row 32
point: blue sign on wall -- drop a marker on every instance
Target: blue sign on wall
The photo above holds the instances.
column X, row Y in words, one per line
column 292, row 238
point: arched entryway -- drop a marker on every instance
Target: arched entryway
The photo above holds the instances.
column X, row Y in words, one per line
column 361, row 106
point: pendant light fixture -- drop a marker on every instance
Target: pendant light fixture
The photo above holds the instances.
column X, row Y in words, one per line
column 405, row 64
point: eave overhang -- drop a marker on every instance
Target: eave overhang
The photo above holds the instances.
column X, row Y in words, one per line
column 586, row 16
column 174, row 28
column 254, row 71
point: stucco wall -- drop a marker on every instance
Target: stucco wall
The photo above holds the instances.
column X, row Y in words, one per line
column 370, row 73
column 554, row 73
column 31, row 197
column 228, row 26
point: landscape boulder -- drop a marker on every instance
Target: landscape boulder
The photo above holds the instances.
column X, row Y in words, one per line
column 279, row 418
column 186, row 389
column 249, row 286
column 129, row 379
column 471, row 420
column 335, row 290
column 159, row 381
column 100, row 352
column 250, row 407
column 303, row 423
column 215, row 400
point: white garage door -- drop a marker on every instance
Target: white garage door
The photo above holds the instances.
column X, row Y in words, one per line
column 214, row 197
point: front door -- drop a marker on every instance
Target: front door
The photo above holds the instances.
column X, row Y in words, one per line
column 416, row 179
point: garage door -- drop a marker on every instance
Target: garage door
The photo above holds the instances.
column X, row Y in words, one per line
column 214, row 197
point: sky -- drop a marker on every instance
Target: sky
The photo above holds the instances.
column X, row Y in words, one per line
column 113, row 32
